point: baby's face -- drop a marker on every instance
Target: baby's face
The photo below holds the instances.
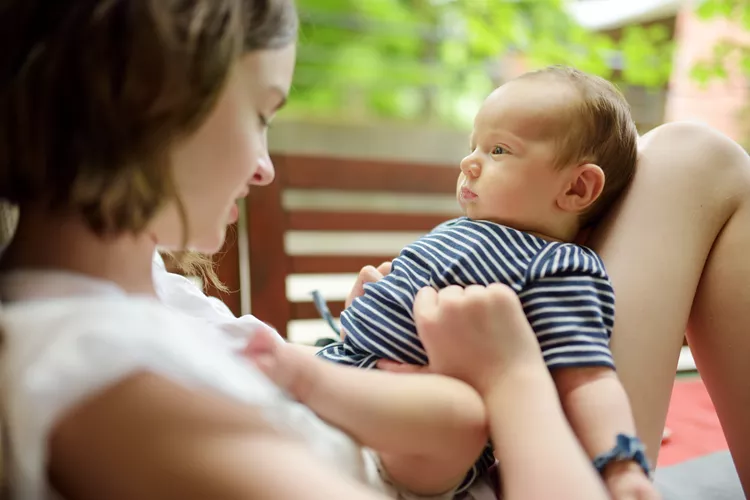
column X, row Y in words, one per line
column 510, row 175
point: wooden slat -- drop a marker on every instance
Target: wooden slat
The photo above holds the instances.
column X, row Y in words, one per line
column 310, row 220
column 306, row 310
column 310, row 172
column 332, row 264
column 269, row 264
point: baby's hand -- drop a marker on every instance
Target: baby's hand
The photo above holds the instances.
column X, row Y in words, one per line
column 290, row 367
column 626, row 481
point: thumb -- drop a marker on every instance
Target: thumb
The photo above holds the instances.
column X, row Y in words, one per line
column 371, row 274
column 384, row 268
column 368, row 274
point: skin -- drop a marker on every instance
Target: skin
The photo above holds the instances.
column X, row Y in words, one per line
column 507, row 366
column 217, row 447
column 510, row 175
column 235, row 132
column 681, row 229
column 703, row 284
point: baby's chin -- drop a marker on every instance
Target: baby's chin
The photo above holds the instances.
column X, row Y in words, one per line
column 472, row 212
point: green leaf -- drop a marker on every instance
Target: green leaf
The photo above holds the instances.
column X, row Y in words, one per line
column 383, row 55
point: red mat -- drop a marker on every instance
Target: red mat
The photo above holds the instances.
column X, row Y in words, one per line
column 694, row 425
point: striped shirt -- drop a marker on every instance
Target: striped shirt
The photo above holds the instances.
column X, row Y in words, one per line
column 564, row 289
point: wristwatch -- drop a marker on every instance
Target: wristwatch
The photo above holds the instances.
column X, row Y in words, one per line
column 626, row 448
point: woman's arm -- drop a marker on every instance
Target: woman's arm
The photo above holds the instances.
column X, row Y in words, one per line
column 148, row 438
column 499, row 356
column 539, row 455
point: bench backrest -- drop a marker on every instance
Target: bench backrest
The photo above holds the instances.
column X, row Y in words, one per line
column 271, row 220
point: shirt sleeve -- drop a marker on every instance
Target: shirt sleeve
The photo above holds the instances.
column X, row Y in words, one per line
column 570, row 303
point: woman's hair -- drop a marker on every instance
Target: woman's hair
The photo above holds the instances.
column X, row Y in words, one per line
column 93, row 93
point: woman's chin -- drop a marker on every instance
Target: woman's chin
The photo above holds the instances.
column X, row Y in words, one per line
column 209, row 244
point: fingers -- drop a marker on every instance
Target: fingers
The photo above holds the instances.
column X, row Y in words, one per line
column 368, row 274
column 425, row 307
column 289, row 367
column 384, row 268
column 261, row 342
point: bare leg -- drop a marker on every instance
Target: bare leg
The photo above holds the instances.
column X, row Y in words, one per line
column 677, row 250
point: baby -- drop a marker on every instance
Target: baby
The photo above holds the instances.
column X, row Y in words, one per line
column 550, row 152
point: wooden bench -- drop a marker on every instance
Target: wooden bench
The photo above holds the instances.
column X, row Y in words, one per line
column 270, row 221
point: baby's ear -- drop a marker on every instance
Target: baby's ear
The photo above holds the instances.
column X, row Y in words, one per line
column 583, row 188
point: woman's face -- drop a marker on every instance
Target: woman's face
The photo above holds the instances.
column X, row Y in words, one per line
column 216, row 166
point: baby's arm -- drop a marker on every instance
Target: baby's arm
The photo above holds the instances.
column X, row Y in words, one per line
column 598, row 410
column 569, row 302
column 596, row 405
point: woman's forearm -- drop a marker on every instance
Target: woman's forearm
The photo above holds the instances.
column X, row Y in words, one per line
column 539, row 455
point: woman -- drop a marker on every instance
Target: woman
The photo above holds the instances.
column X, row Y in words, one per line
column 132, row 125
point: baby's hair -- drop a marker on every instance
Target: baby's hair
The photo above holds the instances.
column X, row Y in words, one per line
column 599, row 130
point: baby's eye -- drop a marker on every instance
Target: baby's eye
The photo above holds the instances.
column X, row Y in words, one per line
column 498, row 150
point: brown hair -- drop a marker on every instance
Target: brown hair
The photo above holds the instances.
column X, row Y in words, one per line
column 93, row 92
column 600, row 130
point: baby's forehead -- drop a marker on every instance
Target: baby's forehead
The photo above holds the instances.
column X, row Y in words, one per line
column 531, row 109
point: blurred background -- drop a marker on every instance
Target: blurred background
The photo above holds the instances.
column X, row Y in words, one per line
column 384, row 95
column 383, row 87
column 433, row 61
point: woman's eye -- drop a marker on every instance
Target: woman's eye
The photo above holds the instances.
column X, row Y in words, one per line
column 498, row 150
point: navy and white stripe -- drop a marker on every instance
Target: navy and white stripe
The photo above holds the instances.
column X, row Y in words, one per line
column 564, row 289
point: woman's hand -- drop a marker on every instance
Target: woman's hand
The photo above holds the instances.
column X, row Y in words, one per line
column 475, row 334
column 286, row 365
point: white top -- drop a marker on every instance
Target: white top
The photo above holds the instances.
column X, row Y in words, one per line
column 181, row 294
column 69, row 336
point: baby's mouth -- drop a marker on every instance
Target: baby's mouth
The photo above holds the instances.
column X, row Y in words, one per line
column 467, row 195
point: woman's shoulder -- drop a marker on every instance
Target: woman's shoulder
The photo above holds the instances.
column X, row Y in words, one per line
column 105, row 338
column 60, row 352
column 41, row 324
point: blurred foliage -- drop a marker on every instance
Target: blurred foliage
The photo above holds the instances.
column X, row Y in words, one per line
column 437, row 59
column 727, row 52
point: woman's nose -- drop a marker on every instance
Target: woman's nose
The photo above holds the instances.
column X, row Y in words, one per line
column 265, row 173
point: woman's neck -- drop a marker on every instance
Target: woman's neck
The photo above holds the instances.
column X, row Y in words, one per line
column 52, row 242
